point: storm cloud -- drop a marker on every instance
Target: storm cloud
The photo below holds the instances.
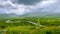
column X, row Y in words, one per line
column 26, row 2
column 21, row 7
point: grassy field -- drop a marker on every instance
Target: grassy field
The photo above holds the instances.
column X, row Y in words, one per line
column 22, row 26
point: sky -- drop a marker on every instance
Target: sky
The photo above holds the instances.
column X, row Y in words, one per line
column 21, row 7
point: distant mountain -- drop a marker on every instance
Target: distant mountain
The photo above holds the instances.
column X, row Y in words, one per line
column 33, row 14
column 41, row 14
column 5, row 16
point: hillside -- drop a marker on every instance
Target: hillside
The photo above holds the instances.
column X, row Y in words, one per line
column 5, row 16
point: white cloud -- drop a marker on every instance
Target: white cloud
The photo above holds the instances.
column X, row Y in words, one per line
column 45, row 3
column 20, row 9
column 14, row 8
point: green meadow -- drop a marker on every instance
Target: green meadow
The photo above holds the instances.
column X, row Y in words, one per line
column 30, row 26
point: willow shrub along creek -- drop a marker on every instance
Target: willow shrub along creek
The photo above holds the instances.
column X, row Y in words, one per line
column 29, row 26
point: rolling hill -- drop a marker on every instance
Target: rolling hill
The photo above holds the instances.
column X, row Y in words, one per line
column 6, row 16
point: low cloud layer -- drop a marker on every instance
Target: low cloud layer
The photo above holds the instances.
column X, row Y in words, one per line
column 21, row 7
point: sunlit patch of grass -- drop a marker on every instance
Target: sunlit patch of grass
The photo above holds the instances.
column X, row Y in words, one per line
column 33, row 30
column 21, row 28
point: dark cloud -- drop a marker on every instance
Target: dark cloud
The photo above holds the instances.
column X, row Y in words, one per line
column 26, row 2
